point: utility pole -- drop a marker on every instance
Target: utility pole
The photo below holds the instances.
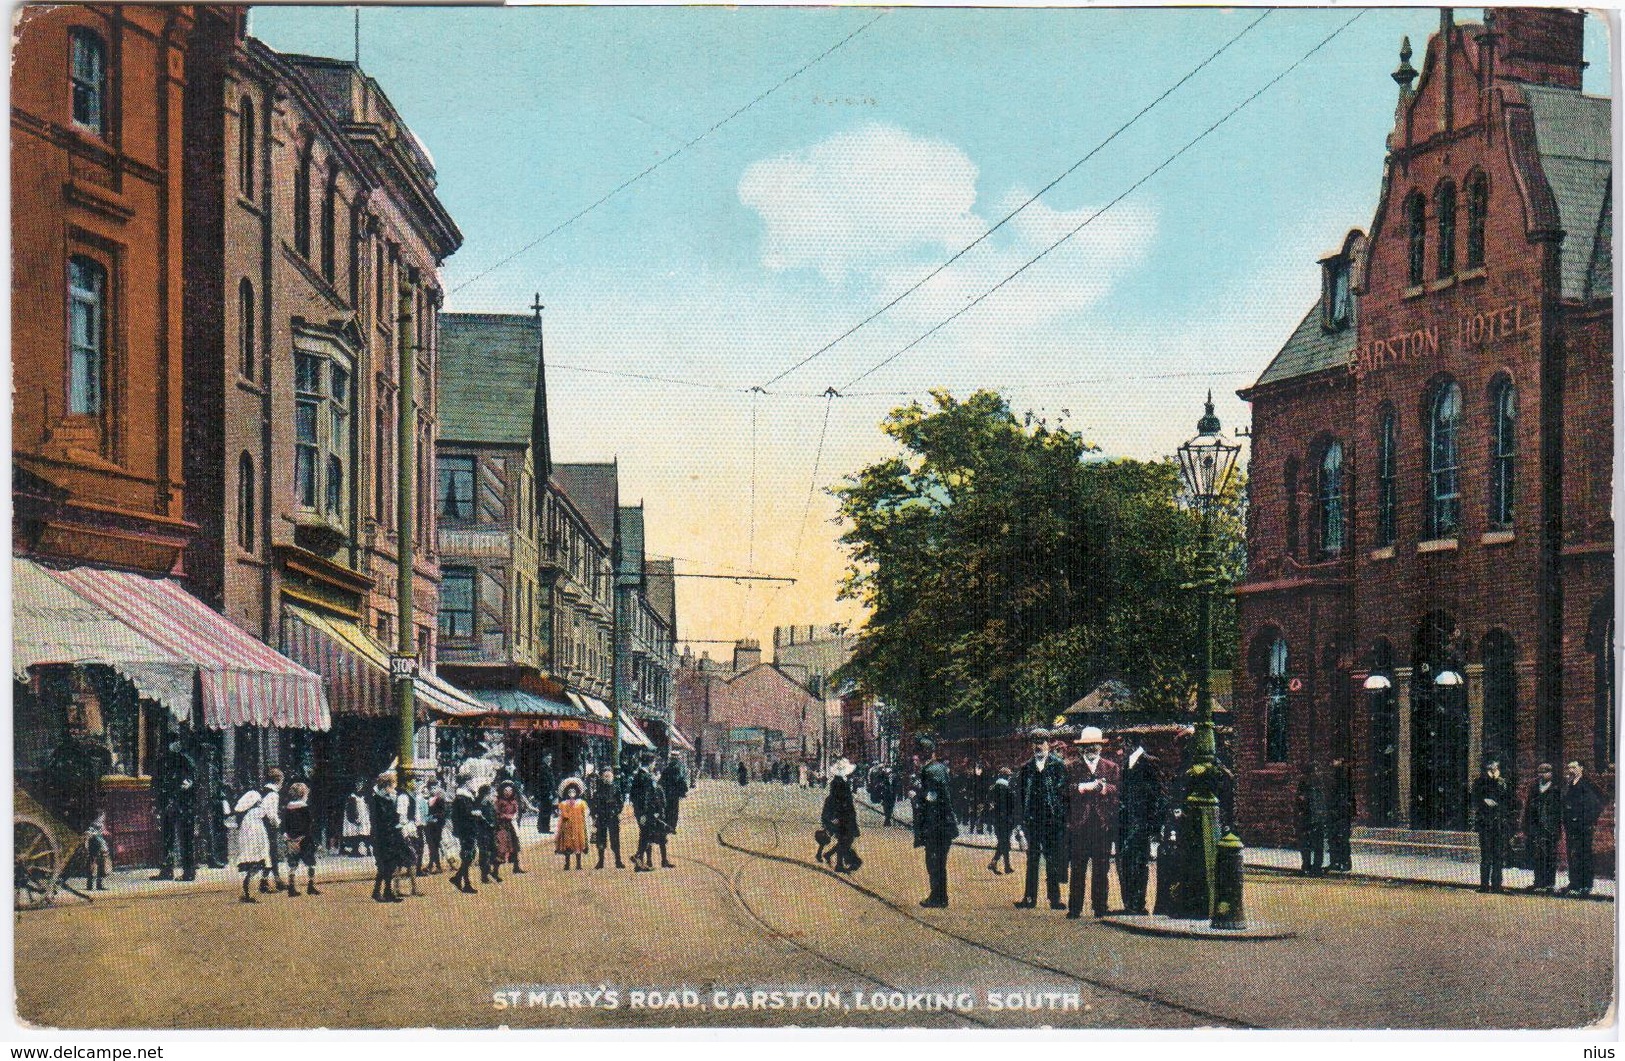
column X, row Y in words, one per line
column 405, row 663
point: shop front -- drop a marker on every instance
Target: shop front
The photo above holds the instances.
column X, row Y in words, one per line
column 112, row 671
column 527, row 729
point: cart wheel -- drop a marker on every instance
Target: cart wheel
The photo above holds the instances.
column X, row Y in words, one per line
column 36, row 865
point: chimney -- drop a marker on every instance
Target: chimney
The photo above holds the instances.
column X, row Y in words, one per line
column 747, row 653
column 1539, row 46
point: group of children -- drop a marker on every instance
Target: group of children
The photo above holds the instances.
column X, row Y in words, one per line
column 654, row 805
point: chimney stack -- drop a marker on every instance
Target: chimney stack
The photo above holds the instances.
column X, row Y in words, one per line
column 747, row 653
column 1539, row 45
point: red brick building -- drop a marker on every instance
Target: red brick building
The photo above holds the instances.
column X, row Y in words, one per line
column 1430, row 540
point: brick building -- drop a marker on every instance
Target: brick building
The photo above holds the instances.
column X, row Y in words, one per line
column 1430, row 539
column 714, row 700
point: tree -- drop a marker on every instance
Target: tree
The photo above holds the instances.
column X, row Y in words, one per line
column 1008, row 568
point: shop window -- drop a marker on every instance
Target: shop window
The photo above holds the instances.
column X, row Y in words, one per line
column 247, row 149
column 1416, row 223
column 1478, row 208
column 457, row 602
column 1387, row 480
column 1329, row 501
column 245, row 502
column 1444, row 461
column 1503, row 450
column 457, row 488
column 87, row 335
column 88, row 75
column 1444, row 209
column 245, row 328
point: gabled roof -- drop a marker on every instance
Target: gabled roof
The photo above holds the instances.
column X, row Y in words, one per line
column 660, row 584
column 1573, row 135
column 595, row 492
column 1311, row 348
column 489, row 378
column 631, row 561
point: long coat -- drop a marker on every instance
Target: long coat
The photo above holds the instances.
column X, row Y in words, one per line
column 674, row 786
column 934, row 822
column 1543, row 813
column 840, row 815
column 388, row 843
column 1140, row 809
column 1092, row 815
column 1582, row 805
column 1002, row 797
column 1489, row 790
column 1041, row 796
column 255, row 812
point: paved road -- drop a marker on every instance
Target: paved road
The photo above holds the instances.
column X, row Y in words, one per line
column 747, row 910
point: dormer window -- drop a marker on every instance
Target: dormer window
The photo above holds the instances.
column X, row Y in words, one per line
column 1337, row 309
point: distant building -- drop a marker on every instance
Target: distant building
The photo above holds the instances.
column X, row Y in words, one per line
column 646, row 656
column 818, row 650
column 713, row 699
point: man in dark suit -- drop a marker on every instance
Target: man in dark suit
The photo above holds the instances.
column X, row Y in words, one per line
column 1582, row 805
column 934, row 825
column 1311, row 813
column 1041, row 797
column 1492, row 812
column 174, row 792
column 1092, row 822
column 1139, row 819
column 1542, row 822
column 1340, row 817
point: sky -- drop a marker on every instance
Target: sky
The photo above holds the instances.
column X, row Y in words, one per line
column 793, row 170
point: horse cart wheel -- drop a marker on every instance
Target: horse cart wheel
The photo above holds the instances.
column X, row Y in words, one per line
column 38, row 861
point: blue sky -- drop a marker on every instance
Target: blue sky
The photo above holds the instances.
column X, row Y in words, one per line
column 818, row 203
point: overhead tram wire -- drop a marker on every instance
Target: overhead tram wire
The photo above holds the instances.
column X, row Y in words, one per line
column 1164, row 164
column 607, row 196
column 922, row 281
column 812, row 489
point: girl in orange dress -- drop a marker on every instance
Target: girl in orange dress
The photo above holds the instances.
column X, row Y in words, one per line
column 572, row 833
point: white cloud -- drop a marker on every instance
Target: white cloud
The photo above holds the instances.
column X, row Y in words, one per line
column 879, row 207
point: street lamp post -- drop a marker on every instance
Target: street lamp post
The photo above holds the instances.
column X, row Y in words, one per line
column 1205, row 463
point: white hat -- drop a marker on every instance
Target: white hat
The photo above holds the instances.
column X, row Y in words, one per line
column 1091, row 735
column 567, row 782
column 841, row 767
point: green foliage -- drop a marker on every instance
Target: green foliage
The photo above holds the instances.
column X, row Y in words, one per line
column 1008, row 569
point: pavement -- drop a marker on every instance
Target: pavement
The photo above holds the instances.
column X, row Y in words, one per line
column 1378, row 866
column 749, row 931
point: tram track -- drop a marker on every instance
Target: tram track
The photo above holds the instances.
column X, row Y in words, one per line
column 1206, row 1017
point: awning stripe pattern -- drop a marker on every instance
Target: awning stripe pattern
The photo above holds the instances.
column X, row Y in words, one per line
column 162, row 639
column 632, row 733
column 357, row 668
column 679, row 739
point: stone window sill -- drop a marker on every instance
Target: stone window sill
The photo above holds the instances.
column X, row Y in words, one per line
column 1437, row 545
column 1498, row 537
column 1385, row 553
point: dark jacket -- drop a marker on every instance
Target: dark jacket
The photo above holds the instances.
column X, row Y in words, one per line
column 744, row 775
column 1093, row 814
column 643, row 783
column 387, row 841
column 1041, row 795
column 1582, row 805
column 1543, row 812
column 1339, row 796
column 652, row 823
column 840, row 815
column 464, row 815
column 1311, row 802
column 607, row 802
column 1002, row 798
column 673, row 782
column 297, row 822
column 934, row 821
column 1140, row 809
column 174, row 782
column 1487, row 790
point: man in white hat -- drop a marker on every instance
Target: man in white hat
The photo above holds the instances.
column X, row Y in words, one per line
column 1091, row 822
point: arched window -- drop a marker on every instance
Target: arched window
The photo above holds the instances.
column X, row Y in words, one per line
column 87, row 334
column 1478, row 208
column 1444, row 208
column 1444, row 461
column 1503, row 450
column 245, row 502
column 1387, row 479
column 301, row 204
column 330, row 196
column 248, row 353
column 1500, row 698
column 1292, row 507
column 1329, row 501
column 87, row 73
column 1277, row 730
column 247, row 152
column 1416, row 228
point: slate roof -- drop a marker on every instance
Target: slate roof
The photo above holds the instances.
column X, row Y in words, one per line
column 595, row 491
column 661, row 586
column 1574, row 138
column 1311, row 348
column 632, row 542
column 489, row 363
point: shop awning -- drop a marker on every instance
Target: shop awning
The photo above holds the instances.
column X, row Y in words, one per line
column 357, row 667
column 632, row 733
column 163, row 640
column 679, row 739
column 516, row 709
column 591, row 705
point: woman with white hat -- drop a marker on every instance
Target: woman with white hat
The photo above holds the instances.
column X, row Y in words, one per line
column 840, row 816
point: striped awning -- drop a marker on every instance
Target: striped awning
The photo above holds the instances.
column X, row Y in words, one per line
column 590, row 704
column 164, row 640
column 632, row 733
column 679, row 739
column 518, row 709
column 357, row 668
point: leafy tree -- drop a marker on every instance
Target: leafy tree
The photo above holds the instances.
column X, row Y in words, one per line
column 1008, row 568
